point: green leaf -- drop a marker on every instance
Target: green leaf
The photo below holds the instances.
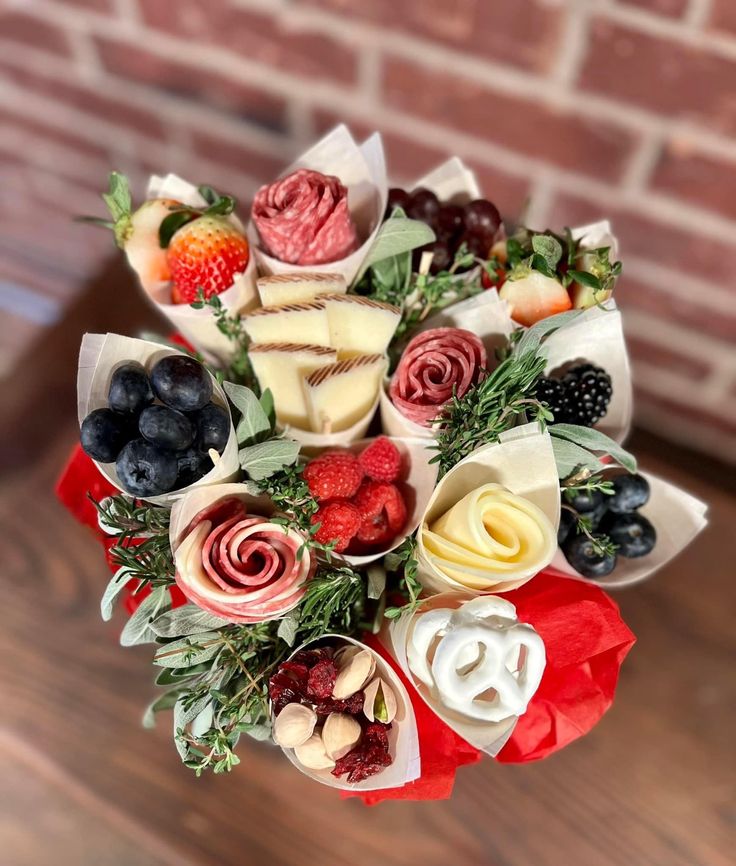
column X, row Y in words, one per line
column 188, row 651
column 165, row 702
column 268, row 407
column 171, row 224
column 376, row 580
column 137, row 630
column 224, row 205
column 585, row 279
column 202, row 722
column 571, row 458
column 397, row 235
column 263, row 459
column 186, row 620
column 549, row 248
column 118, row 581
column 254, row 421
column 532, row 338
column 288, row 628
column 594, row 440
column 118, row 199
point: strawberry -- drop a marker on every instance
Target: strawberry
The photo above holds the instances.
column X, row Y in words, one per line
column 206, row 253
column 534, row 296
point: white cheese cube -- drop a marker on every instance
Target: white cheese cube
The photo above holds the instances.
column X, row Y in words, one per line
column 340, row 395
column 360, row 326
column 304, row 323
column 293, row 288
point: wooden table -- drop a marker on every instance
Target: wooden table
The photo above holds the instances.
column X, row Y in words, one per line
column 82, row 783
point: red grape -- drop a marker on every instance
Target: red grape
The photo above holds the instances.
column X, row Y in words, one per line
column 424, row 205
column 482, row 218
column 397, row 197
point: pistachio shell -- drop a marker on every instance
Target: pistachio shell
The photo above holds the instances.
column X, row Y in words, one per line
column 379, row 707
column 354, row 672
column 312, row 754
column 294, row 725
column 340, row 733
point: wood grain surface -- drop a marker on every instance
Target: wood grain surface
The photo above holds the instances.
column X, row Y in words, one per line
column 82, row 783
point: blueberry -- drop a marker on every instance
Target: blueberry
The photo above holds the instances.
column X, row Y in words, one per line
column 130, row 391
column 145, row 469
column 213, row 427
column 584, row 501
column 630, row 493
column 632, row 532
column 192, row 465
column 166, row 428
column 567, row 521
column 181, row 383
column 104, row 433
column 581, row 553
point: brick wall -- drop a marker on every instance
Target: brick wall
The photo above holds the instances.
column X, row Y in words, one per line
column 586, row 108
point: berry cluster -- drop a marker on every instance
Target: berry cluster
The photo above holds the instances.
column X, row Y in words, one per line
column 581, row 397
column 360, row 506
column 615, row 528
column 160, row 446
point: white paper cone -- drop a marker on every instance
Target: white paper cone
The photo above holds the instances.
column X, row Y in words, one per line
column 199, row 326
column 362, row 169
column 489, row 737
column 676, row 516
column 451, row 181
column 522, row 462
column 99, row 356
column 393, row 423
column 403, row 737
column 595, row 235
column 312, row 443
column 597, row 336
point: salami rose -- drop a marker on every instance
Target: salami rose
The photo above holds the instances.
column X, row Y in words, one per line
column 239, row 566
column 303, row 219
column 435, row 364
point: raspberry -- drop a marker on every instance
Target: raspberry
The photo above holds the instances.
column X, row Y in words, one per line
column 381, row 460
column 340, row 522
column 382, row 510
column 335, row 475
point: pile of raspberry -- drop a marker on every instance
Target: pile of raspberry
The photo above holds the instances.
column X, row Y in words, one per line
column 360, row 507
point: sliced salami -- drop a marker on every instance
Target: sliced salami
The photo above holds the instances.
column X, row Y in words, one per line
column 303, row 219
column 436, row 364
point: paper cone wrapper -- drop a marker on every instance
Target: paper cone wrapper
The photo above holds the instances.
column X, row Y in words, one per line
column 676, row 516
column 489, row 737
column 393, row 423
column 313, row 443
column 595, row 235
column 362, row 169
column 403, row 737
column 197, row 499
column 99, row 356
column 523, row 462
column 199, row 326
column 597, row 336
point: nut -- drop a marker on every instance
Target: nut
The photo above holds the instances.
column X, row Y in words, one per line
column 312, row 754
column 339, row 734
column 379, row 703
column 354, row 671
column 294, row 725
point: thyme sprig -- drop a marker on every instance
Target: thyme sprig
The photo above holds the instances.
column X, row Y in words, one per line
column 239, row 369
column 403, row 563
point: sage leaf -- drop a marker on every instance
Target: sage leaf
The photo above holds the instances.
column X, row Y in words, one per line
column 258, row 732
column 594, row 440
column 533, row 336
column 165, row 701
column 137, row 630
column 571, row 458
column 288, row 628
column 397, row 235
column 254, row 423
column 186, row 620
column 263, row 459
column 376, row 581
column 188, row 651
column 549, row 248
column 268, row 407
column 119, row 580
column 202, row 722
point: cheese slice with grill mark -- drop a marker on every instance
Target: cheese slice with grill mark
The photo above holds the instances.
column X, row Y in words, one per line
column 294, row 288
column 358, row 325
column 340, row 394
column 305, row 322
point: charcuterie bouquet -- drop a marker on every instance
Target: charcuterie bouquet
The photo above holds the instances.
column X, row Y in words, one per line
column 365, row 499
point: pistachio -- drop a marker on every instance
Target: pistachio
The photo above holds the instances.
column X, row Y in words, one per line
column 294, row 725
column 354, row 671
column 340, row 733
column 379, row 703
column 312, row 754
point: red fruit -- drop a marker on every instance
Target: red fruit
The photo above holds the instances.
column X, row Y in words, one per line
column 381, row 460
column 335, row 475
column 340, row 522
column 382, row 510
column 322, row 679
column 489, row 282
column 535, row 297
column 206, row 253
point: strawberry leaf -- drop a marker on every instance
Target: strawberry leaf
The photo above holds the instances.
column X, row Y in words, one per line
column 118, row 198
column 172, row 223
column 585, row 279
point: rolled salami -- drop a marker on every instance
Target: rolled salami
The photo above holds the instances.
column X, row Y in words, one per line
column 436, row 364
column 303, row 219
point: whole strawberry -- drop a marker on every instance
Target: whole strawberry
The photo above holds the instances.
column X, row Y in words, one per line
column 206, row 253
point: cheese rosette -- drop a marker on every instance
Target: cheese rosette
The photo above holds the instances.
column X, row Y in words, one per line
column 239, row 565
column 436, row 365
column 490, row 536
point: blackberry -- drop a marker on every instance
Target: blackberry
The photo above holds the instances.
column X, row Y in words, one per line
column 553, row 393
column 588, row 391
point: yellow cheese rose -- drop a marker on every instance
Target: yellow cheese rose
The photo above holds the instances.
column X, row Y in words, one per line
column 489, row 538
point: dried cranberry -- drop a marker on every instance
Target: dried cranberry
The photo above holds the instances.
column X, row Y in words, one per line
column 311, row 657
column 353, row 705
column 288, row 684
column 322, row 678
column 369, row 757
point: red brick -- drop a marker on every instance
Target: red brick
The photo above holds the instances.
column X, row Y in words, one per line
column 661, row 303
column 523, row 32
column 594, row 148
column 92, row 5
column 723, row 15
column 17, row 27
column 65, row 90
column 670, row 8
column 44, row 132
column 689, row 366
column 661, row 75
column 706, row 181
column 255, row 36
column 646, row 238
column 179, row 79
column 229, row 153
